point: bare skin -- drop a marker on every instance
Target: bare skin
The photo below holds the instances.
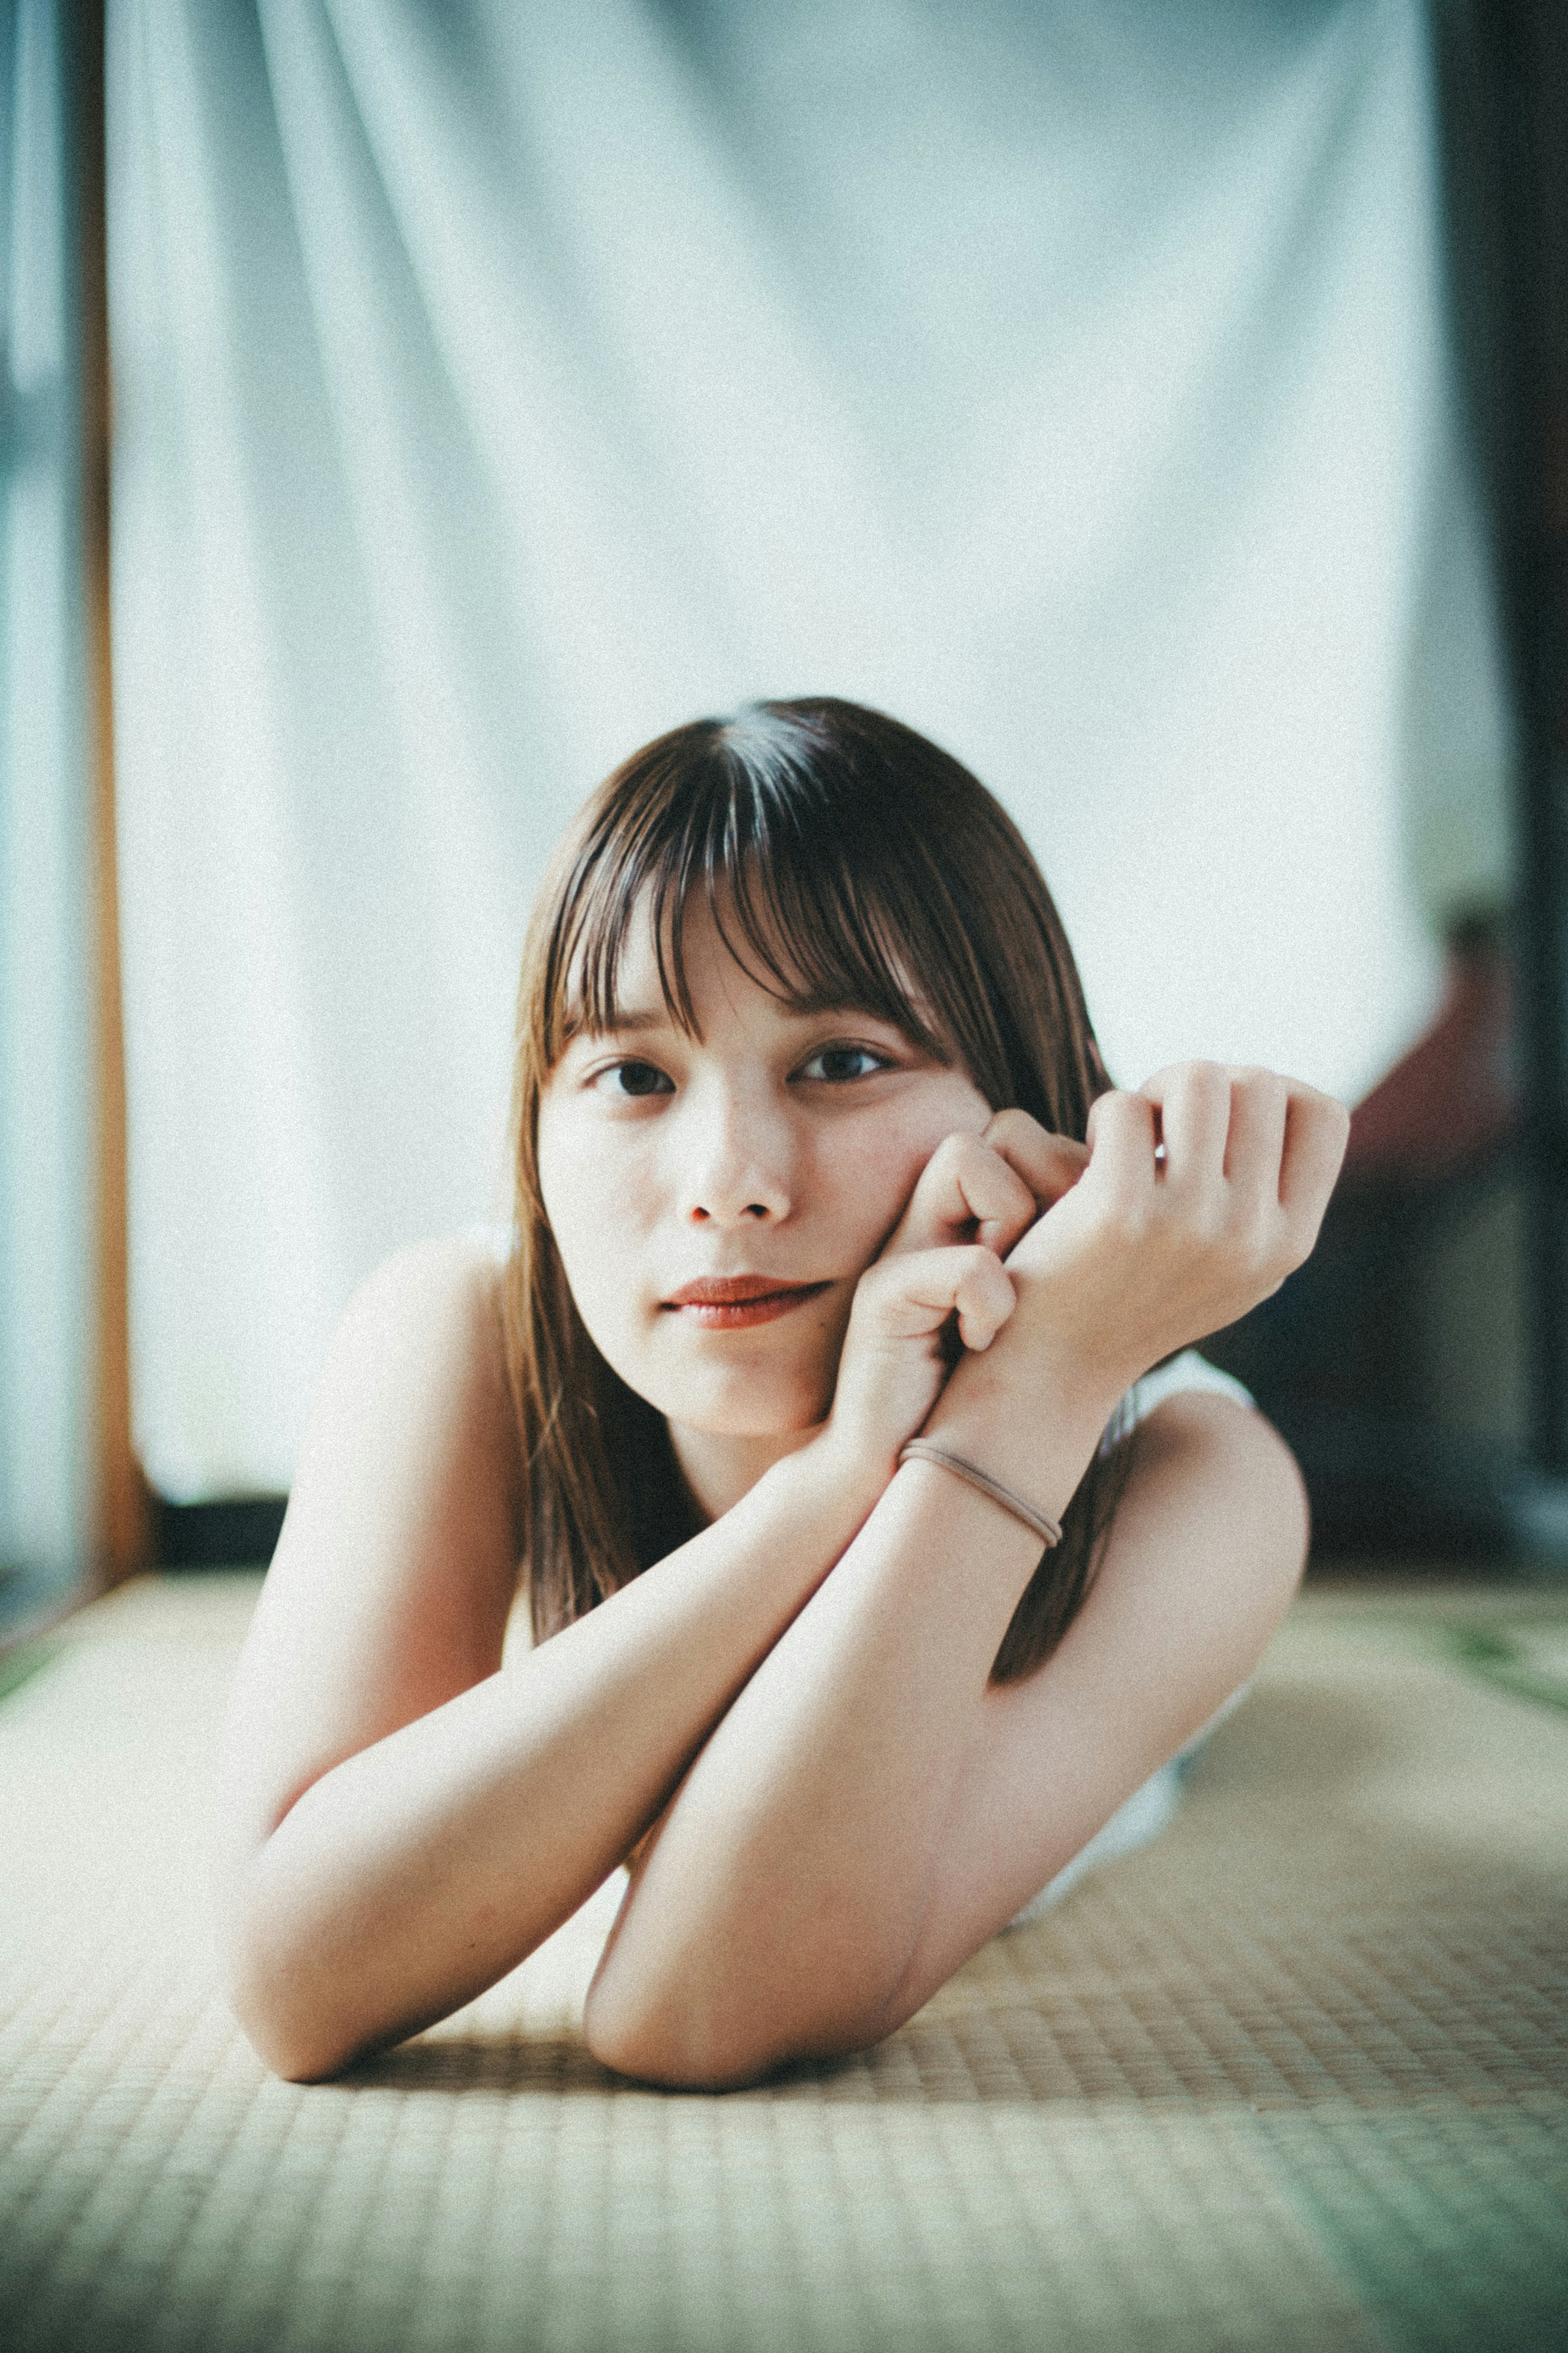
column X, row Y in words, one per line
column 796, row 1704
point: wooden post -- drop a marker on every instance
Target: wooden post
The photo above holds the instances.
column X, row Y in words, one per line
column 123, row 1516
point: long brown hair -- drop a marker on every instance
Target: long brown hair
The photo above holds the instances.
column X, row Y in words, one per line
column 847, row 861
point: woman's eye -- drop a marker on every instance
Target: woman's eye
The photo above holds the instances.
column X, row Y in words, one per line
column 837, row 1063
column 636, row 1079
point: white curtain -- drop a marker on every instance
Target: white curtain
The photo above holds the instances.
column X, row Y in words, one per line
column 498, row 384
column 46, row 1126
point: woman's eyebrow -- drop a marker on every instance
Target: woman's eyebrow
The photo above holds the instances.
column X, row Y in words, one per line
column 633, row 1020
column 811, row 1009
column 623, row 1020
column 630, row 1018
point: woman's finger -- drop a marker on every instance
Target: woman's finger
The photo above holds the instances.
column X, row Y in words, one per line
column 983, row 1298
column 966, row 1192
column 911, row 1296
column 1256, row 1149
column 1122, row 1134
column 1049, row 1165
column 1194, row 1100
column 1317, row 1129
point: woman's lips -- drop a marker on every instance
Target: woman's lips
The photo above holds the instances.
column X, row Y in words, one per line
column 731, row 1303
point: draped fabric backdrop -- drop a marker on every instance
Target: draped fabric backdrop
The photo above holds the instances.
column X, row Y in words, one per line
column 497, row 385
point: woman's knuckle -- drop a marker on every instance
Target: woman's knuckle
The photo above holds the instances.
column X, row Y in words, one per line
column 1012, row 1128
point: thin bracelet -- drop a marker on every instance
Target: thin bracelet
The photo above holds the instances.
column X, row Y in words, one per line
column 1048, row 1532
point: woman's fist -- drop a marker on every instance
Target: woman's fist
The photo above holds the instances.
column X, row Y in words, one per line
column 940, row 1275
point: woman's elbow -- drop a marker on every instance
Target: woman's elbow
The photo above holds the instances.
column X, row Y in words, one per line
column 292, row 2024
column 672, row 2044
column 284, row 2033
column 702, row 2040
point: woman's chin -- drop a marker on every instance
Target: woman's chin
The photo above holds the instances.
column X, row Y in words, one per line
column 744, row 1399
column 782, row 1420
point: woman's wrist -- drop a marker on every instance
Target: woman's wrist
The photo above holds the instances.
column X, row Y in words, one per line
column 833, row 1478
column 1032, row 1416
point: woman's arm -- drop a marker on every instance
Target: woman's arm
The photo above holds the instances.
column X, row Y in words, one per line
column 404, row 1822
column 870, row 1810
column 1203, row 1559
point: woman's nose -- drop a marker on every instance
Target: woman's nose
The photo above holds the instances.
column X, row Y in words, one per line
column 739, row 1170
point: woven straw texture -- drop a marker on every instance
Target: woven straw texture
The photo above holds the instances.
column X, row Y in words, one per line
column 1294, row 2076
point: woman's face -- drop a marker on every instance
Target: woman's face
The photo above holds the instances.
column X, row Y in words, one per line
column 715, row 1200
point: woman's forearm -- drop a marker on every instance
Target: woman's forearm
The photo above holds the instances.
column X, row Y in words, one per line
column 418, row 1871
column 777, row 1907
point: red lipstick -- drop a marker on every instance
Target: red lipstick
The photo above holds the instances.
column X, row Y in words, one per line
column 732, row 1302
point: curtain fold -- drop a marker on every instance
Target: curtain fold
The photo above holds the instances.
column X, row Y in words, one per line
column 497, row 386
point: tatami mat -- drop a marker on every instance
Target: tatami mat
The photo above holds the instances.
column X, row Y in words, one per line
column 1297, row 2076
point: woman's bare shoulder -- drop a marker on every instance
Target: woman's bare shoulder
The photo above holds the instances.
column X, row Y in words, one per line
column 419, row 1362
column 456, row 1275
column 397, row 1564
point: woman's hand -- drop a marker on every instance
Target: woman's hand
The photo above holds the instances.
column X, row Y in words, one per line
column 1202, row 1192
column 1192, row 1200
column 942, row 1267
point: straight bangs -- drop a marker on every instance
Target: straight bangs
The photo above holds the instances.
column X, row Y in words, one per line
column 834, row 884
column 792, row 903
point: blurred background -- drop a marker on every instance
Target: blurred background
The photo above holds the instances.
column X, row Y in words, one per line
column 409, row 408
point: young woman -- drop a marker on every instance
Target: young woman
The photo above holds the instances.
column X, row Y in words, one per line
column 815, row 1157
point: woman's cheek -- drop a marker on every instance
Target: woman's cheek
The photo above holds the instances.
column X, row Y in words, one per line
column 875, row 1189
column 605, row 1288
column 592, row 1199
